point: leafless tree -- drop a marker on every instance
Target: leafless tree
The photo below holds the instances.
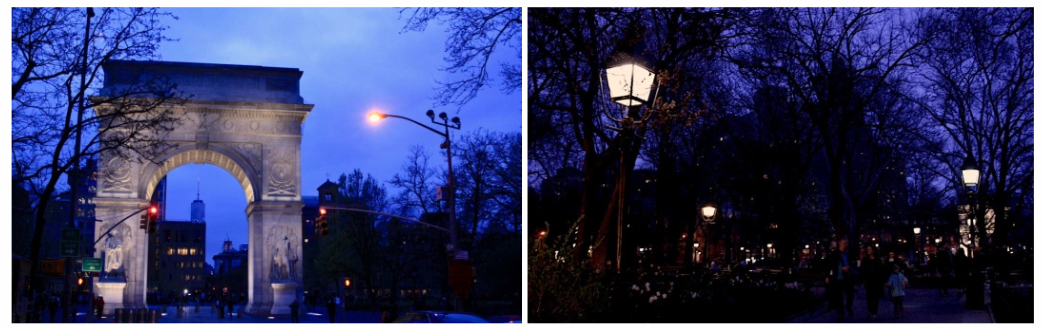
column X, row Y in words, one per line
column 977, row 88
column 474, row 36
column 60, row 115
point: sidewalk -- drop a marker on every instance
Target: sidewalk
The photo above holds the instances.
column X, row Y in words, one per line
column 921, row 306
column 205, row 316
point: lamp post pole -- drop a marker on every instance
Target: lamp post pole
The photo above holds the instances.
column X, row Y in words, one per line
column 447, row 145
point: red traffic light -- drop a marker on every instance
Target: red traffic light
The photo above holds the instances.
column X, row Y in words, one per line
column 153, row 210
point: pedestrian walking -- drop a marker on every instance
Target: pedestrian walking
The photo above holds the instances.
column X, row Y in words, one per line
column 874, row 277
column 840, row 282
column 295, row 311
column 961, row 268
column 99, row 304
column 331, row 309
column 896, row 284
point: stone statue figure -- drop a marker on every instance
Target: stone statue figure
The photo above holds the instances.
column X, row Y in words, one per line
column 291, row 262
column 284, row 254
column 114, row 255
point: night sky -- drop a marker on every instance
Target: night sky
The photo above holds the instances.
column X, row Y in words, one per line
column 353, row 60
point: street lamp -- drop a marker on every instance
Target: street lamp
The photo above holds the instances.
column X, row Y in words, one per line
column 916, row 233
column 630, row 85
column 695, row 252
column 709, row 212
column 447, row 123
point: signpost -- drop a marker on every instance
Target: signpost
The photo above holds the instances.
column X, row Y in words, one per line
column 91, row 264
column 460, row 277
column 70, row 244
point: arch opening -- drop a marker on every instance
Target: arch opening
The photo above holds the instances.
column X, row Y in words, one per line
column 202, row 156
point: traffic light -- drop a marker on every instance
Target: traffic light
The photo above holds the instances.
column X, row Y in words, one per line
column 321, row 224
column 153, row 219
column 347, row 282
column 144, row 220
column 79, row 282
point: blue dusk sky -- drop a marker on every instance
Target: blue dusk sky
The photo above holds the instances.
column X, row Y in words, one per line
column 354, row 60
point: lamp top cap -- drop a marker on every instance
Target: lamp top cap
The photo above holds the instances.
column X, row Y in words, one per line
column 969, row 163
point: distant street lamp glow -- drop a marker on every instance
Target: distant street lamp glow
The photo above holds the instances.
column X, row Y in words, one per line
column 916, row 230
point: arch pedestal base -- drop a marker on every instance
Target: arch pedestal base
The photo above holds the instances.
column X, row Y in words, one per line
column 112, row 293
column 283, row 294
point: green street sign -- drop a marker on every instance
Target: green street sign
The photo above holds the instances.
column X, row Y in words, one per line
column 91, row 264
column 71, row 235
column 70, row 249
column 70, row 245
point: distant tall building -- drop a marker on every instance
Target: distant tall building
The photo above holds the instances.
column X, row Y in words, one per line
column 159, row 197
column 198, row 208
column 177, row 250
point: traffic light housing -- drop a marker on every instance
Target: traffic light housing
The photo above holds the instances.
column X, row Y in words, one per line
column 321, row 225
column 151, row 219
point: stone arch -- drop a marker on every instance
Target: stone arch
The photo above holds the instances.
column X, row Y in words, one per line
column 244, row 119
column 244, row 174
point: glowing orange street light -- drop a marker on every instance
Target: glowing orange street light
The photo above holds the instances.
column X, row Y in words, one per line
column 376, row 116
column 322, row 211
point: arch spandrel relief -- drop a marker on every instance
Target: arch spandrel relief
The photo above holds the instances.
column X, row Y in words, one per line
column 282, row 173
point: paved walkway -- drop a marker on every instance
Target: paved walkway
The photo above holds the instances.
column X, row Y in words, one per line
column 205, row 316
column 921, row 306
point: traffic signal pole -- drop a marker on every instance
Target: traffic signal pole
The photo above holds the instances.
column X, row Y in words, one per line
column 342, row 208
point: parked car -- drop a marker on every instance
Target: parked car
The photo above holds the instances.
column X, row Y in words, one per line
column 439, row 317
column 506, row 319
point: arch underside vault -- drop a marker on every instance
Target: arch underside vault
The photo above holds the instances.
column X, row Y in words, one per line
column 203, row 156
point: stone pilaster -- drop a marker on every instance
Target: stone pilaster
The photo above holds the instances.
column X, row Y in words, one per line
column 135, row 249
column 273, row 225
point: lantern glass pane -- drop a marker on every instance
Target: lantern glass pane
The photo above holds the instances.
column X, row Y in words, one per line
column 629, row 84
column 709, row 211
column 643, row 80
column 619, row 80
column 970, row 177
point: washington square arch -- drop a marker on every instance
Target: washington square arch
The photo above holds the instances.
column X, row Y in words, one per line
column 244, row 119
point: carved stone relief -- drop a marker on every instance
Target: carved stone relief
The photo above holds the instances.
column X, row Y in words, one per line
column 259, row 127
column 117, row 175
column 251, row 151
column 204, row 120
column 282, row 177
column 283, row 246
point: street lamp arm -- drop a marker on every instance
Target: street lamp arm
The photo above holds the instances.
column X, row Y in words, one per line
column 417, row 123
column 385, row 214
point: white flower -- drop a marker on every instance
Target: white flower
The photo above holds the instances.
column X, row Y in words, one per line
column 635, row 288
column 657, row 293
column 652, row 299
column 664, row 296
column 648, row 286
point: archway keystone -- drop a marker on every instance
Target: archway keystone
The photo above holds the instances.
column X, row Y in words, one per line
column 244, row 119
